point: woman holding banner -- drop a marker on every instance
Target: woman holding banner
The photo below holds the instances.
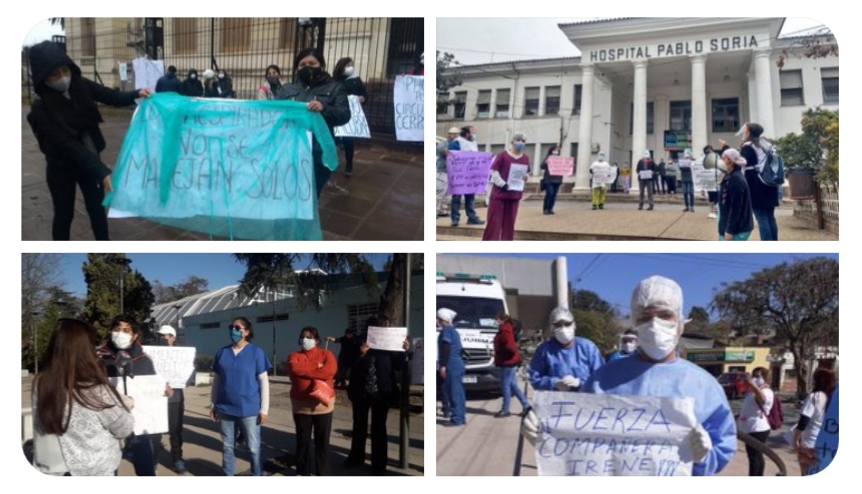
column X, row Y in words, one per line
column 324, row 95
column 65, row 120
column 508, row 175
column 345, row 72
column 550, row 183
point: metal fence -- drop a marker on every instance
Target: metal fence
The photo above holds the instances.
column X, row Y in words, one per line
column 244, row 47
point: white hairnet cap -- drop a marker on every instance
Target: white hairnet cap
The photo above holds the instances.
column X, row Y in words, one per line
column 656, row 292
column 561, row 314
column 447, row 315
column 167, row 329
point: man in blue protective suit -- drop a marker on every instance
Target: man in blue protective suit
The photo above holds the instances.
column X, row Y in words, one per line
column 656, row 370
column 564, row 362
column 628, row 346
column 451, row 370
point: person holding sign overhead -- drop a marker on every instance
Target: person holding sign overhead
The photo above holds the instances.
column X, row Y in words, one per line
column 550, row 183
column 646, row 173
column 324, row 95
column 657, row 370
column 509, row 173
column 345, row 72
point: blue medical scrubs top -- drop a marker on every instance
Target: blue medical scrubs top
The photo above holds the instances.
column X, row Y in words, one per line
column 552, row 361
column 239, row 390
column 678, row 378
column 450, row 335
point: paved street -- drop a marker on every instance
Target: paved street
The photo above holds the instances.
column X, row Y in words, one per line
column 488, row 445
column 202, row 448
column 574, row 219
column 383, row 200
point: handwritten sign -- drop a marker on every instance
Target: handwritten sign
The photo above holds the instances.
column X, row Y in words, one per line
column 123, row 71
column 645, row 174
column 174, row 363
column 358, row 125
column 410, row 108
column 391, row 339
column 518, row 177
column 561, row 166
column 468, row 172
column 417, row 373
column 147, row 72
column 586, row 434
column 205, row 163
column 826, row 444
column 603, row 174
column 151, row 405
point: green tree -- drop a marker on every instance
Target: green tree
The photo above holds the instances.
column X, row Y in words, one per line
column 816, row 147
column 797, row 301
column 698, row 320
column 819, row 44
column 102, row 274
column 595, row 319
column 447, row 78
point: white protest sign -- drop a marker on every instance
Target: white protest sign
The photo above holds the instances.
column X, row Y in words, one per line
column 598, row 434
column 645, row 174
column 603, row 174
column 147, row 73
column 358, row 125
column 517, row 177
column 124, row 72
column 417, row 373
column 151, row 405
column 175, row 363
column 391, row 339
column 410, row 108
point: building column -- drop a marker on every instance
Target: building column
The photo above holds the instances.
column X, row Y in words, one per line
column 699, row 126
column 639, row 119
column 537, row 162
column 541, row 101
column 492, row 109
column 585, row 135
column 763, row 73
column 752, row 99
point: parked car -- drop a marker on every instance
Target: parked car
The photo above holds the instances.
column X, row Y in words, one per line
column 733, row 384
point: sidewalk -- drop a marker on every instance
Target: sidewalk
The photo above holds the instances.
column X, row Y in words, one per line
column 575, row 220
column 383, row 200
column 202, row 448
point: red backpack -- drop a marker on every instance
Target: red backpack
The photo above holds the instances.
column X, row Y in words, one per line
column 775, row 415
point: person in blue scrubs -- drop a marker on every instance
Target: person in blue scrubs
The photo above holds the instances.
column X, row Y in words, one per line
column 451, row 371
column 628, row 346
column 656, row 370
column 564, row 362
column 240, row 394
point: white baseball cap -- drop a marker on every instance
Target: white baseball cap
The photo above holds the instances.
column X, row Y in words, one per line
column 167, row 329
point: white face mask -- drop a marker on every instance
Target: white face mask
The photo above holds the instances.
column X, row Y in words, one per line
column 348, row 71
column 221, row 76
column 758, row 381
column 193, row 76
column 657, row 338
column 629, row 347
column 61, row 85
column 121, row 340
column 308, row 343
column 565, row 334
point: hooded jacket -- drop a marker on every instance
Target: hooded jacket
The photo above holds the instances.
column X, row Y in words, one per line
column 169, row 83
column 224, row 87
column 61, row 124
column 762, row 196
column 193, row 87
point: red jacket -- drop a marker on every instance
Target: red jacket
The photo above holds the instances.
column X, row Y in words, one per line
column 506, row 352
column 304, row 368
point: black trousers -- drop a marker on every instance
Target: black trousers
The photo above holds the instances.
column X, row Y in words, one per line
column 379, row 409
column 61, row 183
column 176, row 411
column 756, row 463
column 347, row 142
column 321, row 425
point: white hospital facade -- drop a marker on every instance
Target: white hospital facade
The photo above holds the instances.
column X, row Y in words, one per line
column 646, row 84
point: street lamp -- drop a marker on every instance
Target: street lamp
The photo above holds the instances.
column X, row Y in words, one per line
column 123, row 262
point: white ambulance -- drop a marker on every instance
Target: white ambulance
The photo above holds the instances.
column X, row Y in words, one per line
column 476, row 299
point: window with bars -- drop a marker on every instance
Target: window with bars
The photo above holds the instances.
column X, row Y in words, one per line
column 829, row 79
column 235, row 34
column 531, row 101
column 573, row 153
column 680, row 115
column 577, row 108
column 650, row 117
column 358, row 314
column 552, row 100
column 791, row 88
column 460, row 104
column 287, row 32
column 725, row 115
column 502, row 103
column 88, row 36
column 185, row 35
column 483, row 104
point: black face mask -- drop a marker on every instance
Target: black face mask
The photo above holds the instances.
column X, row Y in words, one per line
column 307, row 75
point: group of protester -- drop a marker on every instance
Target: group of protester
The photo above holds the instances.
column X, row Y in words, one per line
column 741, row 195
column 645, row 364
column 84, row 426
column 65, row 120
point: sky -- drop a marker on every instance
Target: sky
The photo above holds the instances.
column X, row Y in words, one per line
column 613, row 276
column 219, row 269
column 41, row 31
column 478, row 41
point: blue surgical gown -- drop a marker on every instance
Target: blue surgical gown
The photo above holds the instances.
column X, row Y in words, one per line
column 454, row 398
column 552, row 362
column 678, row 378
column 618, row 355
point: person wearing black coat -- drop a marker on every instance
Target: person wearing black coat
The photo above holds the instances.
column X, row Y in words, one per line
column 648, row 185
column 324, row 95
column 65, row 120
column 734, row 206
column 550, row 183
column 192, row 86
column 345, row 72
column 224, row 86
column 169, row 83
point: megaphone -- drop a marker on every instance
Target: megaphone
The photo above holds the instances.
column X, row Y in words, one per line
column 710, row 161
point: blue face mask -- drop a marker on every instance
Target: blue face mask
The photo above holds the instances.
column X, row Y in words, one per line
column 519, row 146
column 235, row 335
